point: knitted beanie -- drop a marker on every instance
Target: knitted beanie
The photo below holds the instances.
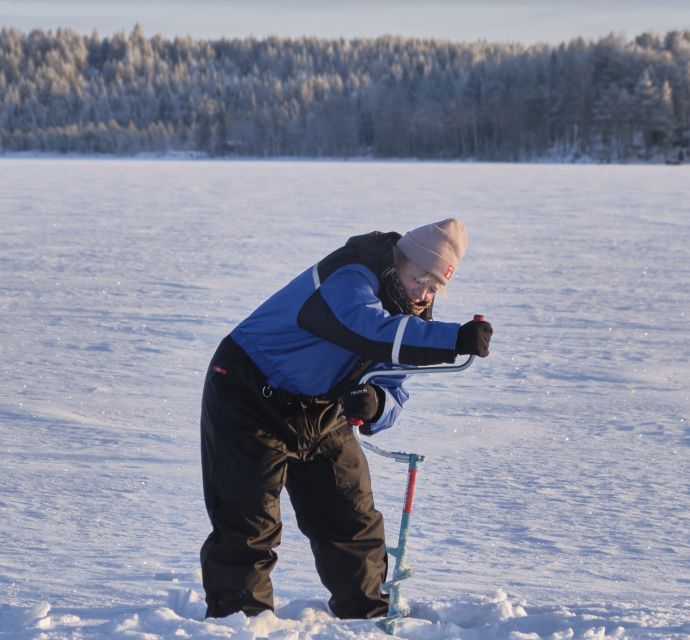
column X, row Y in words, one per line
column 437, row 247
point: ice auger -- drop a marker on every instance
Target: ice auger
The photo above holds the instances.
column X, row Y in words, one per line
column 397, row 609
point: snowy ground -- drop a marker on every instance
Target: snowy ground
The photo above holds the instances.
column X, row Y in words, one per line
column 555, row 498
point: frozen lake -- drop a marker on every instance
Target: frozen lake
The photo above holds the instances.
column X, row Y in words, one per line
column 555, row 497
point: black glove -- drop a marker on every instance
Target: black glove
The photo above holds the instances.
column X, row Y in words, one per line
column 363, row 402
column 473, row 338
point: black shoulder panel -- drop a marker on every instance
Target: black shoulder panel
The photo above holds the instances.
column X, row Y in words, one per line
column 317, row 317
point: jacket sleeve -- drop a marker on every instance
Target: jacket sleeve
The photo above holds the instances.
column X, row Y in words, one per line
column 346, row 311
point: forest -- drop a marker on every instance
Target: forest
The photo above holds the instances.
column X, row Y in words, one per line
column 610, row 100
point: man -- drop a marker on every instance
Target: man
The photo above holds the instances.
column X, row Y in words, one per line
column 277, row 397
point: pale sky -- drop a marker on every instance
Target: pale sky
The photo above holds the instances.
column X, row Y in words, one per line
column 462, row 20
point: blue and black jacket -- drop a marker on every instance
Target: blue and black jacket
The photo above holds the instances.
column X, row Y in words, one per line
column 339, row 317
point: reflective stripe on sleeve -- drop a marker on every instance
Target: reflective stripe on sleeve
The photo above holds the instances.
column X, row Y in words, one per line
column 395, row 356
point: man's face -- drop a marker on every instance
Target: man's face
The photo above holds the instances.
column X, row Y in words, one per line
column 419, row 287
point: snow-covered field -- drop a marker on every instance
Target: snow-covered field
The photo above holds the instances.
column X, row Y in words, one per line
column 554, row 501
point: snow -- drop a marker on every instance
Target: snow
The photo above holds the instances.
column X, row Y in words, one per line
column 554, row 498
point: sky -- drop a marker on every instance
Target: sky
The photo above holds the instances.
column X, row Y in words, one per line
column 528, row 22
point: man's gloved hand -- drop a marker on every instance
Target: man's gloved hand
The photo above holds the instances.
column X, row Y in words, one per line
column 363, row 402
column 473, row 338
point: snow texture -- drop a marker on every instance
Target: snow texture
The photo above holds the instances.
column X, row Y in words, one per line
column 554, row 498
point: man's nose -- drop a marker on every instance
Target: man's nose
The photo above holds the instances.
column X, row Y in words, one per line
column 424, row 293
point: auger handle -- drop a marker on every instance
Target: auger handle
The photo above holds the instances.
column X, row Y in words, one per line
column 401, row 456
column 408, row 371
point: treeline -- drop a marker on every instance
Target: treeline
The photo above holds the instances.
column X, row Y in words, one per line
column 613, row 99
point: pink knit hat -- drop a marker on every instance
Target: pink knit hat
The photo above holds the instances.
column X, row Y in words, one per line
column 437, row 247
